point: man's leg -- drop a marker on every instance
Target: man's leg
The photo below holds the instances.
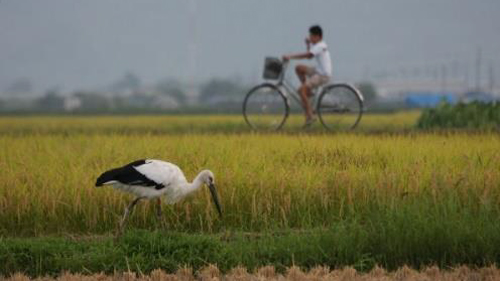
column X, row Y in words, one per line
column 301, row 71
column 304, row 95
column 304, row 91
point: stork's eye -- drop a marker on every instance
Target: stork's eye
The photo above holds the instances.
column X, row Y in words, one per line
column 210, row 179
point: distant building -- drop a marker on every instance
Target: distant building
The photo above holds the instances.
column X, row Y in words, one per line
column 478, row 96
column 72, row 103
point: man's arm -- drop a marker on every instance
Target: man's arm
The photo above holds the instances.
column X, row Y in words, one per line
column 308, row 44
column 307, row 55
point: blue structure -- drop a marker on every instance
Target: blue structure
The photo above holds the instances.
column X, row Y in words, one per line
column 429, row 99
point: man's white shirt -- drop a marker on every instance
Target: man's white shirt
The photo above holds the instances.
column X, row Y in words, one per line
column 322, row 56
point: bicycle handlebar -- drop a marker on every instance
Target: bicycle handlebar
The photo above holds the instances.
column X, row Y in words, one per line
column 285, row 63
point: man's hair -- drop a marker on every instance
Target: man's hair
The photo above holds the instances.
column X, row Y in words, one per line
column 316, row 30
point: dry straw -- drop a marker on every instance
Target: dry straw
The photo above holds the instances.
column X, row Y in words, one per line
column 212, row 273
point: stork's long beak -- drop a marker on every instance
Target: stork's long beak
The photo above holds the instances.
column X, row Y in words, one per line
column 215, row 196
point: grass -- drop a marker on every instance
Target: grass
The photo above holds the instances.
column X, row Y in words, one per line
column 294, row 198
column 348, row 244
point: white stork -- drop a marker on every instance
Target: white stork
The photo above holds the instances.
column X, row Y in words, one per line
column 149, row 179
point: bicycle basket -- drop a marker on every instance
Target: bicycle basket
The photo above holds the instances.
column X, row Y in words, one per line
column 272, row 68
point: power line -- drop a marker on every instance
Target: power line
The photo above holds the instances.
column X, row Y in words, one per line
column 478, row 68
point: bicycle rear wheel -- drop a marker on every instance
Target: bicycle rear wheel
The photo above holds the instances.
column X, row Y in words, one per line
column 265, row 108
column 340, row 107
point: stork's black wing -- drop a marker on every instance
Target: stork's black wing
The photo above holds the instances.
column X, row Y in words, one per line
column 128, row 175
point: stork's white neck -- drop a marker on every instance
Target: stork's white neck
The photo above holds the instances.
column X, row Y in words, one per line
column 195, row 185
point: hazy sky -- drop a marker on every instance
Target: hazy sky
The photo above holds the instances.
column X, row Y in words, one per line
column 91, row 43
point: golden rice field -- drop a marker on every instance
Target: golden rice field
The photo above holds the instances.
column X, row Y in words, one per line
column 265, row 181
column 384, row 193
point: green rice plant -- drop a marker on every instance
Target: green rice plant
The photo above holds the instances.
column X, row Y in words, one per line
column 474, row 115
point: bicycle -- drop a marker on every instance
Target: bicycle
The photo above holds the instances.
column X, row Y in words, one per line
column 267, row 106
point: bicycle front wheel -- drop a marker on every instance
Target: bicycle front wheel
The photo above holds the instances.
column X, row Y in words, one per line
column 265, row 108
column 340, row 107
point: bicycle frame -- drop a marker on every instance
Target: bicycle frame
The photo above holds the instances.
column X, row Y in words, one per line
column 288, row 90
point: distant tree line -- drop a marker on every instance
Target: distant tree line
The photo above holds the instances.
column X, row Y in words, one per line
column 130, row 94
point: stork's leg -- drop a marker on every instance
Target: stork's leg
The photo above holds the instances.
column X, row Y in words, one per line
column 158, row 212
column 158, row 209
column 128, row 210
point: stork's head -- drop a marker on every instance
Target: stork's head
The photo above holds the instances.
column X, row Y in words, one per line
column 207, row 177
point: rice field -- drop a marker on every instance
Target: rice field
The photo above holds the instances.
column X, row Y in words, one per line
column 266, row 181
column 387, row 192
column 177, row 124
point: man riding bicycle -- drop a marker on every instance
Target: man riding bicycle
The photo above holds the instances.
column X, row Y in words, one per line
column 312, row 77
